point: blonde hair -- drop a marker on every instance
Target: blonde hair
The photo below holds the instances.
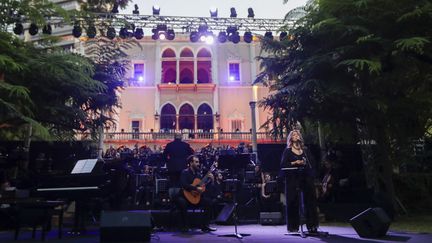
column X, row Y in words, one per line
column 290, row 135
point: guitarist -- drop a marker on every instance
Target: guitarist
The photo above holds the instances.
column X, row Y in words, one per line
column 186, row 179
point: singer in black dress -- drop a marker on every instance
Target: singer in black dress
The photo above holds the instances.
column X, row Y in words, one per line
column 296, row 155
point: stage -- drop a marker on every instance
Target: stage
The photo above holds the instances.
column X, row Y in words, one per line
column 258, row 233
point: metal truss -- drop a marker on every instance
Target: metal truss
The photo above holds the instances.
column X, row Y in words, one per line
column 186, row 24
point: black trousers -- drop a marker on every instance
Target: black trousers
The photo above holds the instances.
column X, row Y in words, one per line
column 183, row 205
column 309, row 200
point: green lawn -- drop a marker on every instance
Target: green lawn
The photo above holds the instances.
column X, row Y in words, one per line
column 414, row 222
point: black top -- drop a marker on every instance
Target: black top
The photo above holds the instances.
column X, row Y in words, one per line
column 176, row 153
column 187, row 177
column 289, row 156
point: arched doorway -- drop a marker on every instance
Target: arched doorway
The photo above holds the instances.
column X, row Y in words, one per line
column 186, row 117
column 205, row 118
column 168, row 118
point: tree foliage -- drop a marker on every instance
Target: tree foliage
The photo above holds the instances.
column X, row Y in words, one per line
column 360, row 65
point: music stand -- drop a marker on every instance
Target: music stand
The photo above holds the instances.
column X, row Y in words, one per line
column 234, row 163
column 297, row 172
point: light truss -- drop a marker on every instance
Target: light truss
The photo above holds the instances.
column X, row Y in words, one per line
column 185, row 24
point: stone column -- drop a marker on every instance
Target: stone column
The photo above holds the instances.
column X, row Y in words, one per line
column 252, row 105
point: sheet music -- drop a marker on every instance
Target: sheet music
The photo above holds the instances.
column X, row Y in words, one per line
column 84, row 166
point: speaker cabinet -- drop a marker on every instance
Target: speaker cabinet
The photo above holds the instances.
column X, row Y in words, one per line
column 371, row 223
column 271, row 218
column 225, row 215
column 125, row 226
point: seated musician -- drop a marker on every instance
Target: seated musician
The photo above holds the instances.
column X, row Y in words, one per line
column 187, row 177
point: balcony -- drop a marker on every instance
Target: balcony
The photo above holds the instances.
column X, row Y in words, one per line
column 188, row 136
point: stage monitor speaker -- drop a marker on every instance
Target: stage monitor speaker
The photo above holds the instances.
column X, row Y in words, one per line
column 371, row 223
column 225, row 215
column 271, row 218
column 125, row 226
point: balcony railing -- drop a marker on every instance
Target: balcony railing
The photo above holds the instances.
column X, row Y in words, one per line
column 189, row 135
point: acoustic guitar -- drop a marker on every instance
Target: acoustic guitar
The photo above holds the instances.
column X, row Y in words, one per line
column 194, row 197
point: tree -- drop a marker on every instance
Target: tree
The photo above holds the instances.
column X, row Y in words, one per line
column 361, row 65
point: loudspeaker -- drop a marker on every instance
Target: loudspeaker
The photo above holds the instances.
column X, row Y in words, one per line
column 125, row 226
column 271, row 218
column 225, row 215
column 371, row 223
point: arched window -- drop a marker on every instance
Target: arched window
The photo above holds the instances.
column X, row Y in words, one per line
column 203, row 53
column 169, row 66
column 168, row 117
column 186, row 53
column 205, row 117
column 168, row 53
column 186, row 117
column 186, row 66
column 204, row 66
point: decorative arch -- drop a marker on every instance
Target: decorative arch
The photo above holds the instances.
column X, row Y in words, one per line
column 186, row 52
column 168, row 117
column 205, row 117
column 186, row 117
column 167, row 53
column 204, row 53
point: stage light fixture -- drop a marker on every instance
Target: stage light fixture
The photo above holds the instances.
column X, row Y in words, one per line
column 91, row 31
column 162, row 35
column 268, row 35
column 33, row 30
column 47, row 30
column 283, row 36
column 233, row 13
column 123, row 33
column 111, row 33
column 235, row 37
column 209, row 38
column 194, row 36
column 247, row 37
column 136, row 10
column 115, row 8
column 156, row 10
column 251, row 13
column 18, row 29
column 77, row 31
column 170, row 34
column 139, row 33
column 213, row 12
column 222, row 37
